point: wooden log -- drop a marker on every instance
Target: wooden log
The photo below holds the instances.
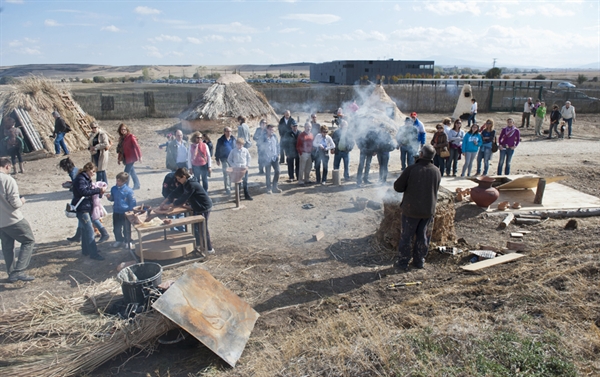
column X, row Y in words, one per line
column 507, row 220
column 539, row 193
column 521, row 221
column 517, row 246
column 516, row 235
column 317, row 236
column 588, row 212
column 524, row 216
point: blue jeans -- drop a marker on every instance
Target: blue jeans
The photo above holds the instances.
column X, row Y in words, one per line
column 22, row 233
column 407, row 156
column 452, row 161
column 485, row 155
column 226, row 177
column 201, row 173
column 421, row 230
column 121, row 227
column 322, row 157
column 383, row 158
column 88, row 243
column 570, row 124
column 364, row 162
column 471, row 118
column 505, row 154
column 440, row 163
column 342, row 156
column 469, row 158
column 59, row 142
column 129, row 169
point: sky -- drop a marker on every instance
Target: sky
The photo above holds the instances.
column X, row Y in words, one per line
column 548, row 34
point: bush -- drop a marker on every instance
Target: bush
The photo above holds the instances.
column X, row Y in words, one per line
column 581, row 78
column 99, row 79
column 506, row 77
column 86, row 81
column 493, row 73
column 540, row 77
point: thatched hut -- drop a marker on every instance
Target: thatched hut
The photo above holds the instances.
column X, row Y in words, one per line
column 378, row 108
column 223, row 102
column 31, row 103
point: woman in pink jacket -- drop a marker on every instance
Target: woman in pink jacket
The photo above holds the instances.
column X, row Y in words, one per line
column 129, row 153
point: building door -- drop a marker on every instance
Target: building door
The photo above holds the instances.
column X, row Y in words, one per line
column 332, row 79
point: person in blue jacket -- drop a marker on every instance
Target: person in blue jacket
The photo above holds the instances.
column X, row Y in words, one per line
column 470, row 147
column 124, row 201
column 420, row 128
column 82, row 198
column 225, row 144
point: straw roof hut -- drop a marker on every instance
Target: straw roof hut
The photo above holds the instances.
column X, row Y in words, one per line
column 223, row 102
column 31, row 103
column 378, row 108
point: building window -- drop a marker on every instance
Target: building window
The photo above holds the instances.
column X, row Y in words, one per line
column 370, row 61
column 366, row 69
column 348, row 65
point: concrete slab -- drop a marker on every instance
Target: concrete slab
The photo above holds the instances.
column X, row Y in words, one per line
column 556, row 196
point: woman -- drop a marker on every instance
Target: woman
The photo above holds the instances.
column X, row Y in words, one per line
column 199, row 159
column 470, row 146
column 189, row 191
column 455, row 138
column 323, row 143
column 488, row 134
column 98, row 145
column 259, row 136
column 554, row 119
column 83, row 191
column 440, row 143
column 129, row 153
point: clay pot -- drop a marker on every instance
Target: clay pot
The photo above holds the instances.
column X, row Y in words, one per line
column 516, row 205
column 502, row 206
column 484, row 194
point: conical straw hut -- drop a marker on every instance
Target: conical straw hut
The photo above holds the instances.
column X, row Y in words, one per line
column 230, row 97
column 31, row 102
column 378, row 108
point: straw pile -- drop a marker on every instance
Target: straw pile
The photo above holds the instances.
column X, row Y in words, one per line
column 391, row 224
column 40, row 97
column 56, row 336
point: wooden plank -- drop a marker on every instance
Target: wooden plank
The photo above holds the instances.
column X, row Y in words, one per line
column 33, row 128
column 528, row 182
column 492, row 262
column 317, row 236
column 521, row 221
column 539, row 192
column 506, row 220
column 518, row 246
column 516, row 235
column 27, row 130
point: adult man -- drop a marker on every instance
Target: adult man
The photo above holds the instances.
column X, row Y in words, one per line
column 13, row 226
column 98, row 145
column 507, row 142
column 344, row 142
column 225, row 144
column 60, row 129
column 259, row 137
column 368, row 148
column 473, row 114
column 540, row 114
column 420, row 128
column 527, row 108
column 315, row 126
column 239, row 157
column 568, row 115
column 177, row 152
column 407, row 139
column 304, row 146
column 244, row 132
column 385, row 144
column 289, row 145
column 554, row 119
column 420, row 183
column 285, row 126
column 270, row 156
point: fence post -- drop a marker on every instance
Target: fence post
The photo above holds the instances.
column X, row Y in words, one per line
column 540, row 92
column 491, row 97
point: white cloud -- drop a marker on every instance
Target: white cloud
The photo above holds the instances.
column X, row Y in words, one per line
column 153, row 51
column 370, row 36
column 289, row 30
column 15, row 43
column 111, row 28
column 51, row 23
column 397, row 8
column 246, row 39
column 547, row 10
column 146, row 10
column 214, row 38
column 450, row 7
column 193, row 40
column 176, row 53
column 321, row 19
column 499, row 12
column 234, row 27
column 30, row 51
column 165, row 38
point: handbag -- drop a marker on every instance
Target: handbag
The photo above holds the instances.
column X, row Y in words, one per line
column 71, row 210
column 494, row 146
column 445, row 153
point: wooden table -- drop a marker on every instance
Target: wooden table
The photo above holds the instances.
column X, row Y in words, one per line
column 189, row 220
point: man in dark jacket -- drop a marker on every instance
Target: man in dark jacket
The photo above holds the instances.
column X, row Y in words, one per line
column 191, row 192
column 60, row 129
column 284, row 127
column 420, row 183
column 225, row 145
column 289, row 145
column 344, row 143
column 368, row 148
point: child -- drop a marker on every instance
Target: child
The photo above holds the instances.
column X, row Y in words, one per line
column 122, row 197
column 561, row 135
column 98, row 212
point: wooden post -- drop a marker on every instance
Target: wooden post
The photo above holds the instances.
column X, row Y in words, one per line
column 507, row 220
column 539, row 192
column 237, row 195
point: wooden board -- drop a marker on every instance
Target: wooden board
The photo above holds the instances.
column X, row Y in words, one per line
column 528, row 182
column 492, row 262
column 516, row 235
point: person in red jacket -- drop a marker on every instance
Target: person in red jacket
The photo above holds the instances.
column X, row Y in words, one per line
column 304, row 146
column 129, row 153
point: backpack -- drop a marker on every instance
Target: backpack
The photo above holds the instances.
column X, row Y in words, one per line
column 67, row 128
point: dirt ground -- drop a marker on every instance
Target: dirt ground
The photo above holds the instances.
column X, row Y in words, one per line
column 265, row 252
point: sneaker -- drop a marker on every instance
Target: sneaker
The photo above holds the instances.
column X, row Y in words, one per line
column 13, row 278
column 269, row 192
column 129, row 245
column 276, row 190
column 228, row 192
column 117, row 244
column 367, row 182
column 211, row 251
column 248, row 197
column 96, row 257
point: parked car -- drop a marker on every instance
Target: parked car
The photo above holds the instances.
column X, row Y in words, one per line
column 305, row 81
column 565, row 84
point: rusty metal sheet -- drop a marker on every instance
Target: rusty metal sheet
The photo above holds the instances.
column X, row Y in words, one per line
column 210, row 312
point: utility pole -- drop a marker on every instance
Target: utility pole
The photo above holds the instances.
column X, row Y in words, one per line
column 494, row 65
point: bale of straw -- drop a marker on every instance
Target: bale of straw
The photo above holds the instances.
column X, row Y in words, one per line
column 391, row 225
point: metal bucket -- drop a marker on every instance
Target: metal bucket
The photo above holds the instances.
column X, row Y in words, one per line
column 136, row 277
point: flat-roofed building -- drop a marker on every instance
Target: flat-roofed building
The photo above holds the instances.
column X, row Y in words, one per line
column 349, row 72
